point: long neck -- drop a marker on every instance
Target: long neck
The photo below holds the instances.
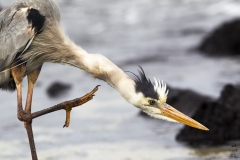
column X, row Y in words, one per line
column 100, row 67
column 60, row 49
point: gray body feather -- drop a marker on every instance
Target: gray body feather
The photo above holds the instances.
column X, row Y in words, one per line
column 17, row 36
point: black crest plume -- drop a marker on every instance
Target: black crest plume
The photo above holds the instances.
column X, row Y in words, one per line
column 36, row 19
column 144, row 85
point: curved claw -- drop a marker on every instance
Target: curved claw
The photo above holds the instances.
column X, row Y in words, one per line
column 77, row 102
column 68, row 115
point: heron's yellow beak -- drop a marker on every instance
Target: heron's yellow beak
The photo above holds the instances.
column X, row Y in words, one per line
column 170, row 112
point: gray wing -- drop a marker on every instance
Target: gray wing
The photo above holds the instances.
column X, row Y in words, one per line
column 16, row 34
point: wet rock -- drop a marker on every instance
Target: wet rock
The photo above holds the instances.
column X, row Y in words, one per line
column 224, row 40
column 58, row 89
column 186, row 101
column 222, row 117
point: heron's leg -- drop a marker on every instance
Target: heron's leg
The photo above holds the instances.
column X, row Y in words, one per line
column 67, row 105
column 84, row 99
column 32, row 78
column 18, row 75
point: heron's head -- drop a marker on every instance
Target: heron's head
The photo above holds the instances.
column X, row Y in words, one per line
column 151, row 98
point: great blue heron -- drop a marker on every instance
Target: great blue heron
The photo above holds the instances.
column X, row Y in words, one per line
column 31, row 34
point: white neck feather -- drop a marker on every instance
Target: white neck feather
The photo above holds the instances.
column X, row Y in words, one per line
column 102, row 68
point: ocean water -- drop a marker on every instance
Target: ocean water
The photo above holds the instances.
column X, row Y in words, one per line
column 159, row 36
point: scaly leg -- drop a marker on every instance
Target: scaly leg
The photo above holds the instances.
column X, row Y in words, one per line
column 32, row 78
column 67, row 106
column 27, row 117
column 18, row 75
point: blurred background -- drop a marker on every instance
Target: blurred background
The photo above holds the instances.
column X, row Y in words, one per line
column 162, row 36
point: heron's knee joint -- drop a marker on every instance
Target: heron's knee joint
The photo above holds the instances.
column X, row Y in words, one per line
column 24, row 117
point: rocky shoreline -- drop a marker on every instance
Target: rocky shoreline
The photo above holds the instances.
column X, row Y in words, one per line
column 221, row 116
column 224, row 40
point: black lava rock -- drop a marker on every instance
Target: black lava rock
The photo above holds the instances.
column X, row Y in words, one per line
column 222, row 117
column 224, row 40
column 57, row 89
column 185, row 101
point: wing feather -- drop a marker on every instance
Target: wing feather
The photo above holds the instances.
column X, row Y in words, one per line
column 18, row 27
column 16, row 34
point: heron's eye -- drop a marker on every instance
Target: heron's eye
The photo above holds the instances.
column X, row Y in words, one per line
column 151, row 102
